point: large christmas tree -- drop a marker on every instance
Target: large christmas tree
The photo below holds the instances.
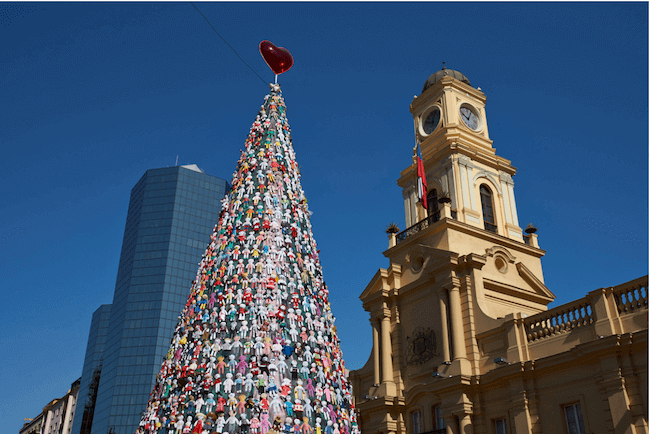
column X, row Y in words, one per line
column 255, row 349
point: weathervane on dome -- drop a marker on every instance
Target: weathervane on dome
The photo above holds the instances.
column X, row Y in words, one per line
column 277, row 58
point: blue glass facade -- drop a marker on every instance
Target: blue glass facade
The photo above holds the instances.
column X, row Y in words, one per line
column 171, row 215
column 90, row 375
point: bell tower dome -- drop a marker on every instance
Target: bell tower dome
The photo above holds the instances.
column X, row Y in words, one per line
column 460, row 162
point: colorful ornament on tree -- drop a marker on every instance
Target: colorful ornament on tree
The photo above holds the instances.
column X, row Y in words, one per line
column 255, row 350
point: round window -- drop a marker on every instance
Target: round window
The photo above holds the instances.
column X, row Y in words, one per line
column 418, row 263
column 501, row 264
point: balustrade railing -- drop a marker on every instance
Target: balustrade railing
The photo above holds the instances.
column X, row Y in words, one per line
column 421, row 225
column 631, row 296
column 559, row 320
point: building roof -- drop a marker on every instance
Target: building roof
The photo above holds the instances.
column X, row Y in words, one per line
column 193, row 167
column 444, row 72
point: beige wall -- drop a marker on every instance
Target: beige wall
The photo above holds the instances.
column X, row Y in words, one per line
column 599, row 360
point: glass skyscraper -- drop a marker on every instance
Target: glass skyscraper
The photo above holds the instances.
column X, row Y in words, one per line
column 83, row 417
column 172, row 212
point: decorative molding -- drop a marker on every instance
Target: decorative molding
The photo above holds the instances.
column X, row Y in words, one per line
column 533, row 294
column 505, row 177
column 490, row 176
column 464, row 160
column 492, row 251
column 533, row 281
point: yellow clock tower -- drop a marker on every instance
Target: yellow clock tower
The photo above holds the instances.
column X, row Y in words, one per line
column 451, row 126
column 459, row 317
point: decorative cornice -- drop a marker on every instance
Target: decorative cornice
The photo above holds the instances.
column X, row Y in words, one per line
column 533, row 281
column 500, row 249
column 474, row 260
column 505, row 177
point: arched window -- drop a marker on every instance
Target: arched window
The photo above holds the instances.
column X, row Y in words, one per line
column 432, row 201
column 488, row 209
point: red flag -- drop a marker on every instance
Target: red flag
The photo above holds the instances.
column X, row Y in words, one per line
column 422, row 182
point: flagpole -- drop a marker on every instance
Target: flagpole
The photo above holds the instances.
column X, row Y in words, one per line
column 419, row 169
column 415, row 135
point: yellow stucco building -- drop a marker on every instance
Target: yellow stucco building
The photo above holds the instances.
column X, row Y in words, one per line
column 463, row 341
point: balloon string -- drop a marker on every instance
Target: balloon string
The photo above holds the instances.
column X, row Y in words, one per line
column 276, row 78
column 215, row 31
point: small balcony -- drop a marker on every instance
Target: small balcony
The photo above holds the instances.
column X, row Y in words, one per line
column 421, row 225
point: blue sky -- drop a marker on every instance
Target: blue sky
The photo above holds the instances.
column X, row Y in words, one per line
column 94, row 94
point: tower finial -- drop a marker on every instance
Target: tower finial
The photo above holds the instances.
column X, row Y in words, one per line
column 443, row 65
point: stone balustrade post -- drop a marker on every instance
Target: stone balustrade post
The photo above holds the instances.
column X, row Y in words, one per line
column 605, row 312
column 445, row 211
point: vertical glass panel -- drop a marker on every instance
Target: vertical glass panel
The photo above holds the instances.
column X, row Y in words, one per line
column 417, row 416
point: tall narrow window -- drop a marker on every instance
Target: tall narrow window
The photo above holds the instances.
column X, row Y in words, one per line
column 432, row 201
column 488, row 209
column 573, row 416
column 500, row 426
column 438, row 420
column 417, row 422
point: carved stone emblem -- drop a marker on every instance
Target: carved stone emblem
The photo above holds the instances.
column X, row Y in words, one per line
column 420, row 346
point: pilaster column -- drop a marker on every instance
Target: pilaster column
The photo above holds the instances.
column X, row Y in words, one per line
column 465, row 424
column 386, row 356
column 465, row 164
column 457, row 329
column 450, row 422
column 406, row 194
column 375, row 349
column 505, row 192
column 519, row 408
column 457, row 198
column 619, row 403
column 463, row 161
column 444, row 330
column 513, row 206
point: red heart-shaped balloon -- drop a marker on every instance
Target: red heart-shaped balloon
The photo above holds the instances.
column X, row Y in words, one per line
column 279, row 59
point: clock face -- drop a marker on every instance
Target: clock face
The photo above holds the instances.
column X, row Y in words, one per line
column 469, row 118
column 431, row 121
